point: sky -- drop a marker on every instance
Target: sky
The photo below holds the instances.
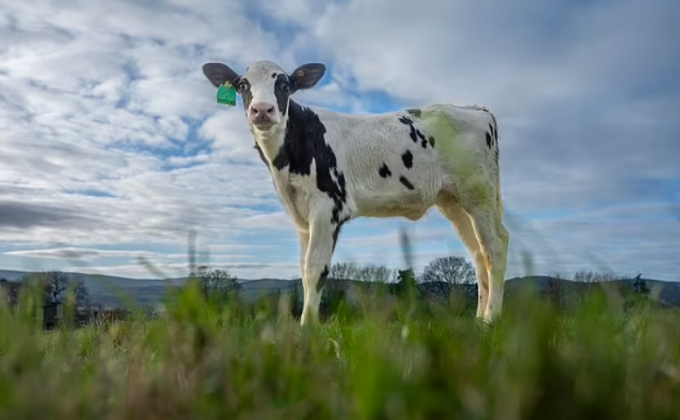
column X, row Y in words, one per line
column 113, row 147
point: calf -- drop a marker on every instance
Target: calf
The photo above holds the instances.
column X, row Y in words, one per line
column 329, row 168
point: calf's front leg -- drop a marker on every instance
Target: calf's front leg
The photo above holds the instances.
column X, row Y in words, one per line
column 317, row 261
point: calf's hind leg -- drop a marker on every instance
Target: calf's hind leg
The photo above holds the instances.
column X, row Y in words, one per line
column 462, row 223
column 493, row 239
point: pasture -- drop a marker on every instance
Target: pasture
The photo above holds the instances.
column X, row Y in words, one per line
column 114, row 144
column 379, row 360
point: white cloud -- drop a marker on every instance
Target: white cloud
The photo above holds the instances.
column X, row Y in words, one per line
column 85, row 254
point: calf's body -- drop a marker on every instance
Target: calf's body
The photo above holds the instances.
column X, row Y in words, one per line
column 329, row 168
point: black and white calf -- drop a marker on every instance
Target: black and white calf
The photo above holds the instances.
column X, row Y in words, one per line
column 329, row 168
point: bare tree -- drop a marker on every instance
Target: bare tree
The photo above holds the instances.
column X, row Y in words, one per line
column 343, row 270
column 82, row 294
column 367, row 272
column 451, row 270
column 442, row 273
column 57, row 285
column 215, row 282
column 590, row 276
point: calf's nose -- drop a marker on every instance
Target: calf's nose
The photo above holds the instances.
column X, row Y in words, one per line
column 260, row 111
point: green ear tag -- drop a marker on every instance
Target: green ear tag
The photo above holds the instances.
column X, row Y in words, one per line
column 226, row 94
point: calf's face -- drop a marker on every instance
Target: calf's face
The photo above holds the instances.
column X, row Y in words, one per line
column 265, row 88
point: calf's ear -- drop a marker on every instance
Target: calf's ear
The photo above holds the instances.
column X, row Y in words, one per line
column 307, row 75
column 218, row 73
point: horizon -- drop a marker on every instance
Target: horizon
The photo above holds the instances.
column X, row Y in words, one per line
column 114, row 147
column 239, row 279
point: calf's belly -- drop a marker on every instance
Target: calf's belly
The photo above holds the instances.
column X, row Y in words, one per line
column 411, row 205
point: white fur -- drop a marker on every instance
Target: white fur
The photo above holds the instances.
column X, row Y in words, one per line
column 459, row 177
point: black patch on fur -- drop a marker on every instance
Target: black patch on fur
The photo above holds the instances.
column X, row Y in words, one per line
column 281, row 94
column 303, row 143
column 407, row 158
column 431, row 139
column 414, row 133
column 406, row 182
column 493, row 128
column 415, row 112
column 488, row 139
column 384, row 171
column 322, row 280
column 405, row 120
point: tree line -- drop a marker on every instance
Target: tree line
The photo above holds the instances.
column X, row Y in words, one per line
column 439, row 276
column 55, row 288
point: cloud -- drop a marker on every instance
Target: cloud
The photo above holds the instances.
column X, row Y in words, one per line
column 21, row 216
column 84, row 254
column 113, row 145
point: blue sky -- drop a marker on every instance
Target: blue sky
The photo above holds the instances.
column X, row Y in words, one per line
column 113, row 146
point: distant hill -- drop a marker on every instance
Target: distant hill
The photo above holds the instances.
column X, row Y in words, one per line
column 669, row 290
column 116, row 291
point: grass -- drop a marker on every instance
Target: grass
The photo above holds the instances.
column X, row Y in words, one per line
column 203, row 361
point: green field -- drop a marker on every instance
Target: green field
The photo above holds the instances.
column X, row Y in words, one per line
column 376, row 361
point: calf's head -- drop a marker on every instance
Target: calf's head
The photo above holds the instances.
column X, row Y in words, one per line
column 265, row 88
